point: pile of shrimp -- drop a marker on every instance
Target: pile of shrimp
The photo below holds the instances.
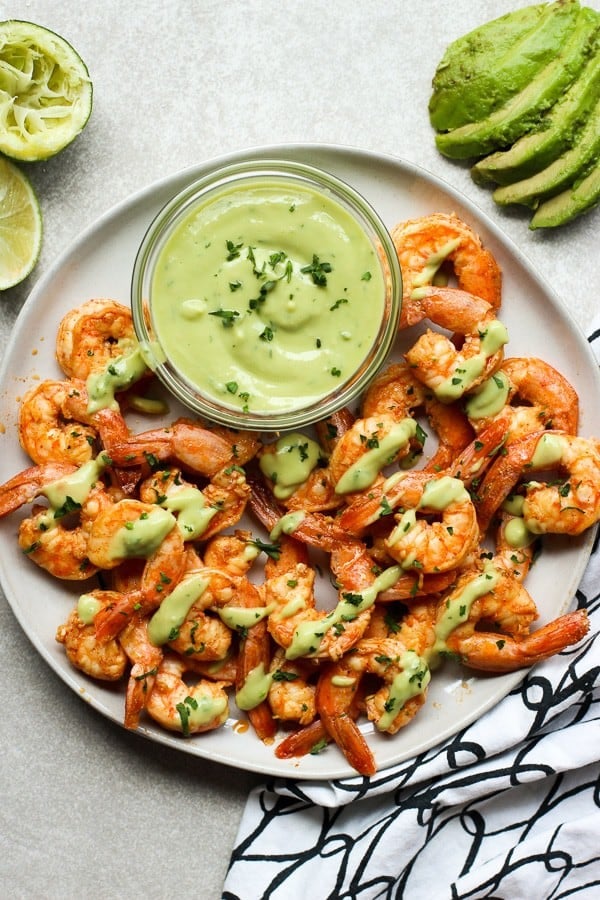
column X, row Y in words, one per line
column 427, row 552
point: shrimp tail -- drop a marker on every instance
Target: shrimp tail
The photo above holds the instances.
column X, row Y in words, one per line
column 303, row 741
column 495, row 653
column 28, row 484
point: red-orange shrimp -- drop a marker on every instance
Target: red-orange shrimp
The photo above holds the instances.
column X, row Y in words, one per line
column 426, row 244
column 195, row 446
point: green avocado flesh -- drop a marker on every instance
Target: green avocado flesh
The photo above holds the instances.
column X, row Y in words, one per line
column 496, row 61
column 557, row 131
column 565, row 207
column 523, row 111
column 520, row 97
column 563, row 172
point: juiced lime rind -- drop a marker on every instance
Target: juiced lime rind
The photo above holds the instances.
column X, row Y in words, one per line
column 20, row 226
column 523, row 112
column 557, row 132
column 561, row 173
column 45, row 91
column 571, row 203
column 496, row 61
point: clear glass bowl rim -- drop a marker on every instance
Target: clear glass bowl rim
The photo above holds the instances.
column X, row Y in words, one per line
column 200, row 189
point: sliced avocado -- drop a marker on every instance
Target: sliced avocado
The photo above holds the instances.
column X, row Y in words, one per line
column 482, row 70
column 561, row 173
column 523, row 111
column 565, row 207
column 537, row 149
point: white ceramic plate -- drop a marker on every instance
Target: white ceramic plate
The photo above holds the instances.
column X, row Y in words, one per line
column 99, row 264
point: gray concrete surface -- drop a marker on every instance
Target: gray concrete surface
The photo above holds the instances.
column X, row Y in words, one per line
column 88, row 810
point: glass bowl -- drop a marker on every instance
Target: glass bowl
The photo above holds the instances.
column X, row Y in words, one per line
column 266, row 295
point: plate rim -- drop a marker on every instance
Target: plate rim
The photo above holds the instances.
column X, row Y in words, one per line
column 185, row 175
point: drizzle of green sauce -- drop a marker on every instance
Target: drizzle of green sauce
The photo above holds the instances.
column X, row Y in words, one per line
column 548, row 451
column 88, row 608
column 458, row 608
column 293, row 606
column 254, row 689
column 77, row 486
column 118, row 374
column 204, row 709
column 194, row 515
column 143, row 536
column 289, row 467
column 308, row 635
column 517, row 534
column 432, row 264
column 494, row 336
column 243, row 617
column 287, row 524
column 343, row 681
column 514, row 504
column 489, row 398
column 411, row 681
column 361, row 474
column 173, row 611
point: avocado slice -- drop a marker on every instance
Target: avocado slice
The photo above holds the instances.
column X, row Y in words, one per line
column 537, row 149
column 569, row 204
column 522, row 113
column 562, row 172
column 482, row 70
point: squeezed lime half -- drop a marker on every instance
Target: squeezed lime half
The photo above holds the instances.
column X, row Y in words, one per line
column 20, row 225
column 45, row 91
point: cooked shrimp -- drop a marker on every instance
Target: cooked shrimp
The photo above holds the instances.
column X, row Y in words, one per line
column 496, row 653
column 105, row 660
column 47, row 433
column 486, row 619
column 93, row 334
column 399, row 393
column 59, row 549
column 57, row 540
column 200, row 513
column 30, row 483
column 399, row 661
column 202, row 635
column 369, row 446
column 194, row 446
column 253, row 679
column 568, row 505
column 530, row 394
column 435, row 546
column 313, row 529
column 145, row 658
column 450, row 372
column 331, row 429
column 372, row 507
column 187, row 708
column 232, row 553
column 131, row 528
column 292, row 693
column 425, row 244
column 296, row 624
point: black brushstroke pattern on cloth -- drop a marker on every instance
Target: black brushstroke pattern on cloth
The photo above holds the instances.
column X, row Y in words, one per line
column 512, row 815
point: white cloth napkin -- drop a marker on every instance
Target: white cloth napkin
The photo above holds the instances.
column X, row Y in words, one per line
column 507, row 808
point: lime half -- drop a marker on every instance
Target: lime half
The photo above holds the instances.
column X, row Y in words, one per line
column 45, row 91
column 20, row 226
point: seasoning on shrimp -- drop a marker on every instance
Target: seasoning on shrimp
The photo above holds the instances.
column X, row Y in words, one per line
column 424, row 245
column 194, row 612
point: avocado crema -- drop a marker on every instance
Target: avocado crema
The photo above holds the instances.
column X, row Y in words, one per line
column 520, row 95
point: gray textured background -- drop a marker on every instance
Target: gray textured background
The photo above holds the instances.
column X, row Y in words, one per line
column 89, row 810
